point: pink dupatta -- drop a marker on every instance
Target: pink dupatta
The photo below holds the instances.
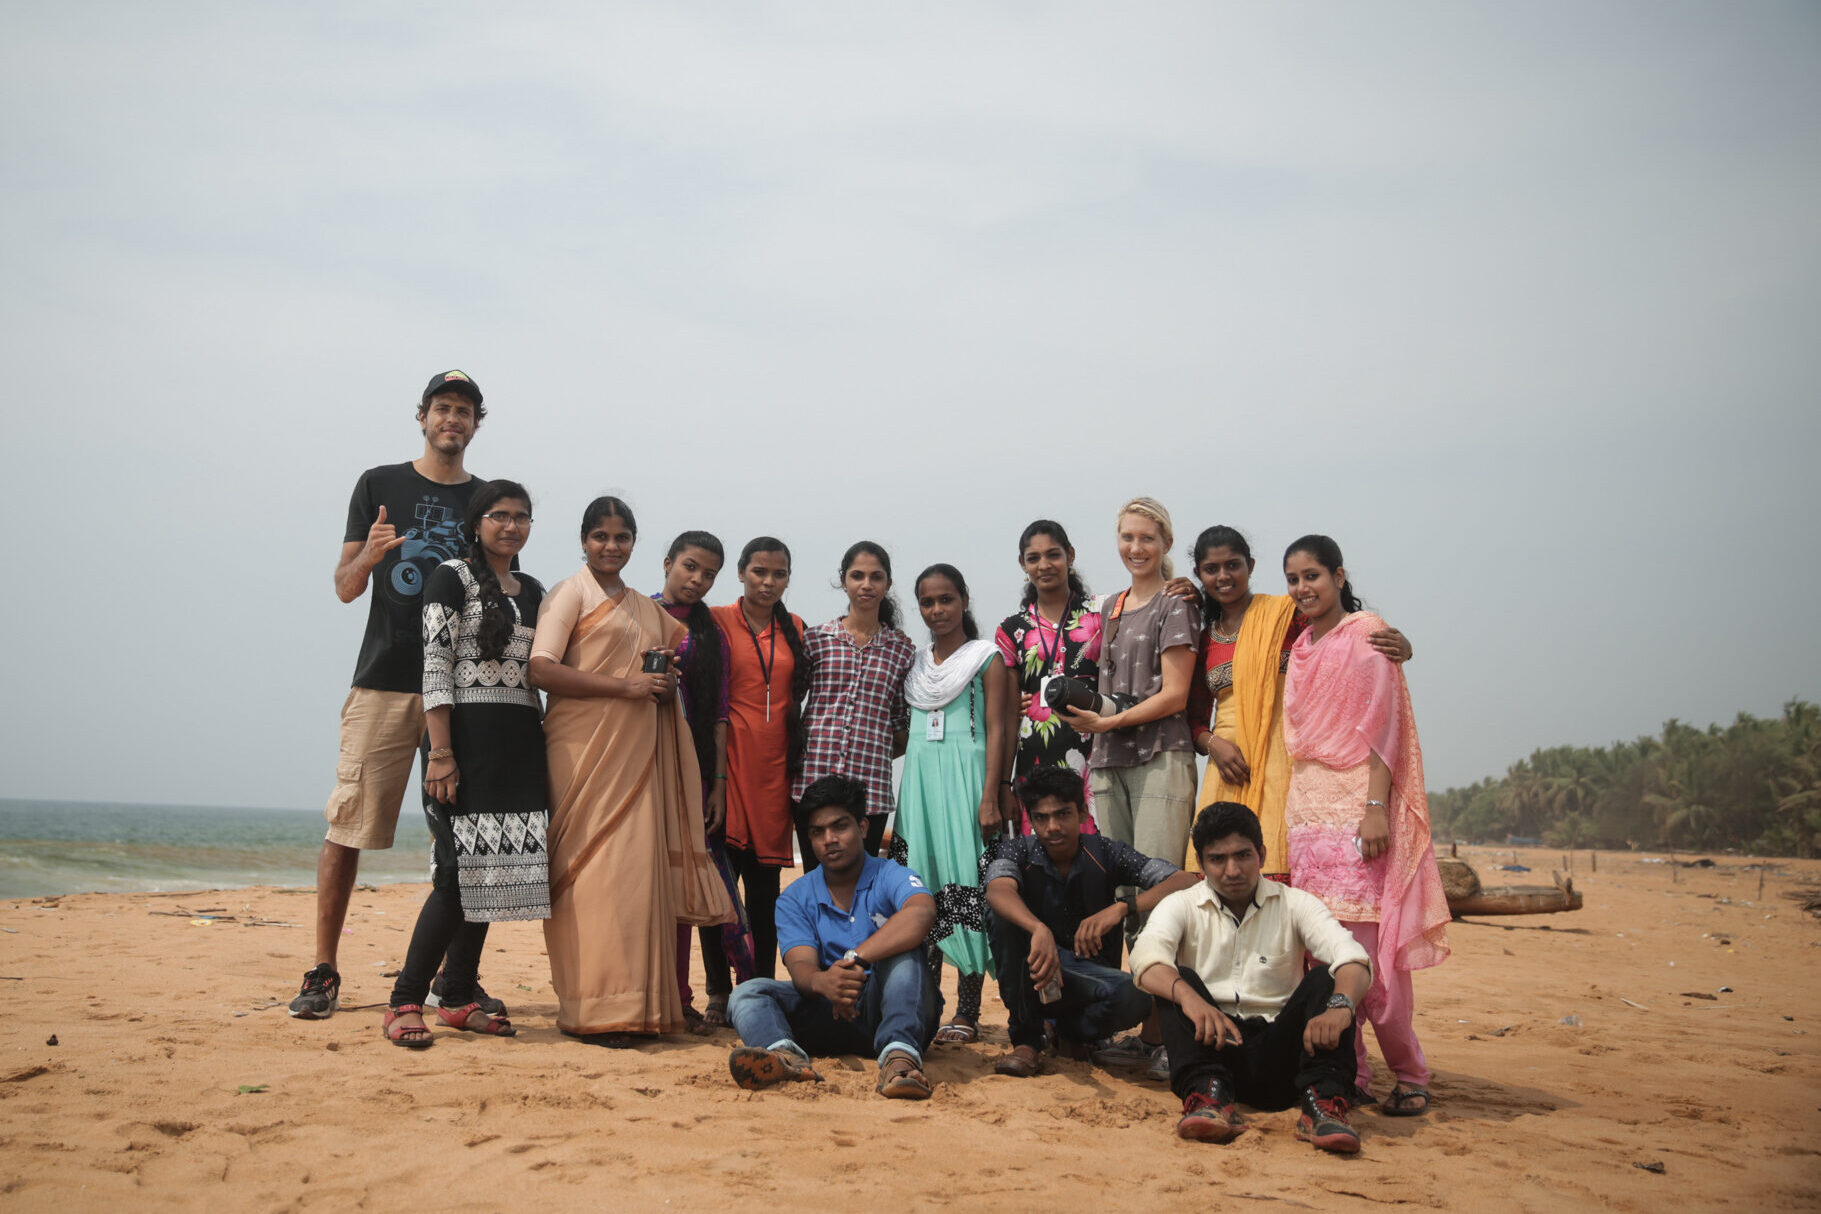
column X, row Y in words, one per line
column 1343, row 700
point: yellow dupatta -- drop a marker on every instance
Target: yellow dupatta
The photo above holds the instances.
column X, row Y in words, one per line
column 1257, row 708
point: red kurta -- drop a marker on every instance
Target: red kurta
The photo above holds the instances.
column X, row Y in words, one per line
column 758, row 787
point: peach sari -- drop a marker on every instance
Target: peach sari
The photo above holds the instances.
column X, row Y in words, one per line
column 628, row 860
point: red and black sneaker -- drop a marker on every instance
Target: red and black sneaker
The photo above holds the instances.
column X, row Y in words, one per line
column 1208, row 1116
column 1323, row 1124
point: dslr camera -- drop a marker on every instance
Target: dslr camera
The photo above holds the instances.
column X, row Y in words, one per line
column 1067, row 692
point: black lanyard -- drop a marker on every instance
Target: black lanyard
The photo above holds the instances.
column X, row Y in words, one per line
column 766, row 664
column 1050, row 655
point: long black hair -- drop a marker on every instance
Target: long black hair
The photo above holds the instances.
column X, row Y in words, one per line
column 888, row 603
column 495, row 631
column 1218, row 536
column 940, row 569
column 1078, row 589
column 796, row 734
column 606, row 507
column 1327, row 554
column 702, row 677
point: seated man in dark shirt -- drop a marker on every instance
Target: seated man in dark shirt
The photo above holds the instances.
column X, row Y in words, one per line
column 1056, row 922
column 852, row 934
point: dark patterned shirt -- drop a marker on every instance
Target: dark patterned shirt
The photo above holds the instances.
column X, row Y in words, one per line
column 1061, row 903
column 856, row 701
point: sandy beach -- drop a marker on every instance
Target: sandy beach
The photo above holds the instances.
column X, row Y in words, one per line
column 1673, row 1022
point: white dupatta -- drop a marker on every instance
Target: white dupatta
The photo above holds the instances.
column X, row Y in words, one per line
column 931, row 684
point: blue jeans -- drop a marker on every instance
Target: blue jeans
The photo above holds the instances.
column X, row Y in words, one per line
column 899, row 1008
column 1096, row 1001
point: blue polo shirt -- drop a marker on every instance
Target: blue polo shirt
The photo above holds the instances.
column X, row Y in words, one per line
column 807, row 916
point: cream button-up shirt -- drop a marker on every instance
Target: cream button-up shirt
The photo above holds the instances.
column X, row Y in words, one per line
column 1251, row 965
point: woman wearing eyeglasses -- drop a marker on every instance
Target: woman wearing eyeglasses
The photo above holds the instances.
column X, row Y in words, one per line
column 485, row 781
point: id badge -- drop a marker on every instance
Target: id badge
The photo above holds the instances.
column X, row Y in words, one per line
column 1043, row 687
column 933, row 733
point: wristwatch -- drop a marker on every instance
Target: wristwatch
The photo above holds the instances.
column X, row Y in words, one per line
column 1131, row 906
column 1339, row 1000
column 857, row 959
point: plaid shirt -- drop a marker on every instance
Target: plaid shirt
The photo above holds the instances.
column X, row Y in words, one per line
column 856, row 701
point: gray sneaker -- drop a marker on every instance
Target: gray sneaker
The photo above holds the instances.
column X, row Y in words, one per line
column 320, row 994
column 1127, row 1053
column 488, row 1004
column 1159, row 1070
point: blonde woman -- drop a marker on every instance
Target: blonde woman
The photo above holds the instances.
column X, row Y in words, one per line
column 1142, row 769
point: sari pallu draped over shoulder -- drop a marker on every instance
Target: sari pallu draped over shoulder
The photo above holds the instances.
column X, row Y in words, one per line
column 1344, row 701
column 1256, row 658
column 628, row 856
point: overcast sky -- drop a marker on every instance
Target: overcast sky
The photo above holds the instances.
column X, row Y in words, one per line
column 1518, row 302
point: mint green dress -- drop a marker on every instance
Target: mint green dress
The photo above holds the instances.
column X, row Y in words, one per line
column 938, row 827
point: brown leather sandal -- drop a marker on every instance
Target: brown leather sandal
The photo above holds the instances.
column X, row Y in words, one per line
column 900, row 1078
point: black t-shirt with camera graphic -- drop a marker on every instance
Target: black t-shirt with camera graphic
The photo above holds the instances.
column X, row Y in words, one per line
column 429, row 517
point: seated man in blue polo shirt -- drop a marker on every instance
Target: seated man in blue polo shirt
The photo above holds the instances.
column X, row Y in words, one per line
column 851, row 933
column 1057, row 918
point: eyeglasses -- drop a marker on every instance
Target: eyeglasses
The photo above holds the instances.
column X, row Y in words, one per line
column 500, row 518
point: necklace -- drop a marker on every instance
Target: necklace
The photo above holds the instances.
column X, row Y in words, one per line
column 1220, row 618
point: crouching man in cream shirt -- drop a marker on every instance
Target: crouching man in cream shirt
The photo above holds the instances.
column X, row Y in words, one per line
column 1240, row 1019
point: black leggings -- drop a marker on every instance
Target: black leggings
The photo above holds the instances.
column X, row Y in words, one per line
column 759, row 883
column 442, row 936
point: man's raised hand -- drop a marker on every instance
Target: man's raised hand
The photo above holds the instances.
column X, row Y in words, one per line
column 382, row 537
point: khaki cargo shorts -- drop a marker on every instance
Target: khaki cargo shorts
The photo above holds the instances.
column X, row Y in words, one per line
column 380, row 732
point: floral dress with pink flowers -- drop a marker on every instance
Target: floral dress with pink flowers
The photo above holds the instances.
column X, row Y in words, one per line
column 1037, row 651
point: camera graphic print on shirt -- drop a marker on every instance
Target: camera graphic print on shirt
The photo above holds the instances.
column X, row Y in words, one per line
column 437, row 537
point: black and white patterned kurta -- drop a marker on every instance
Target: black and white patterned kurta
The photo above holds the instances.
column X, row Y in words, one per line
column 498, row 822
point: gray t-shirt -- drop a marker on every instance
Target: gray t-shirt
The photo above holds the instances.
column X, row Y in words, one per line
column 1133, row 664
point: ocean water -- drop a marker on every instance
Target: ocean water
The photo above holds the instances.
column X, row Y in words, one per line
column 69, row 847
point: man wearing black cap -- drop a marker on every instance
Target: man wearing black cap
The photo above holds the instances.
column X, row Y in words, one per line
column 403, row 521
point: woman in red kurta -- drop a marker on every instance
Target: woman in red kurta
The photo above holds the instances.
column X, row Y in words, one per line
column 767, row 679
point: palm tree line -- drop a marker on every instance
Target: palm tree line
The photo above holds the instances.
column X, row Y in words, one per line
column 1753, row 785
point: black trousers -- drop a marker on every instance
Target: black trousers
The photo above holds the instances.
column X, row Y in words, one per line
column 875, row 839
column 1269, row 1069
column 759, row 887
column 442, row 936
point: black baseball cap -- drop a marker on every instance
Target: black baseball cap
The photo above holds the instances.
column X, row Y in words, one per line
column 452, row 381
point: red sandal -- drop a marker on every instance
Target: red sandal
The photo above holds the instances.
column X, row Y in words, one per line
column 420, row 1037
column 472, row 1018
